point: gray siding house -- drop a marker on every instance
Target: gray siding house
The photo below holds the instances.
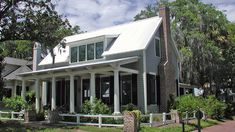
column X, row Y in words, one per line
column 133, row 63
column 12, row 82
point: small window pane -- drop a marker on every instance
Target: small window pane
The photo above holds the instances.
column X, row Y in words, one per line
column 74, row 54
column 82, row 53
column 90, row 51
column 99, row 50
column 157, row 47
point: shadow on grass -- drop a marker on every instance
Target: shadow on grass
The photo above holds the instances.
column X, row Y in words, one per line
column 18, row 126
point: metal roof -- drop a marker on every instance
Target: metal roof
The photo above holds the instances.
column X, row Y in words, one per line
column 132, row 36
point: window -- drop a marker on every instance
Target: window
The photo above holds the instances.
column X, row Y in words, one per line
column 73, row 54
column 105, row 90
column 157, row 47
column 151, row 89
column 82, row 53
column 86, row 52
column 90, row 52
column 99, row 50
column 126, row 85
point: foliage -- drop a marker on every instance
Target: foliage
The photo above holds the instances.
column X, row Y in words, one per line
column 210, row 105
column 213, row 107
column 17, row 48
column 130, row 107
column 40, row 116
column 15, row 103
column 188, row 103
column 37, row 21
column 1, row 78
column 97, row 107
column 171, row 102
column 138, row 114
column 205, row 39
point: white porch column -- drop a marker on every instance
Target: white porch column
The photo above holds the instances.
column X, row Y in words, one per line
column 92, row 86
column 37, row 93
column 145, row 92
column 116, row 92
column 53, row 97
column 71, row 93
column 23, row 89
column 44, row 93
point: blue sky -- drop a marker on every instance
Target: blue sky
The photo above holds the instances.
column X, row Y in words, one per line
column 94, row 14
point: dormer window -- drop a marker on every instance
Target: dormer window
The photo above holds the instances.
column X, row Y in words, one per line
column 99, row 48
column 86, row 52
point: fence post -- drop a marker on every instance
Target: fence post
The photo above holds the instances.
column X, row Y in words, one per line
column 12, row 115
column 78, row 119
column 186, row 117
column 151, row 120
column 194, row 114
column 164, row 118
column 100, row 120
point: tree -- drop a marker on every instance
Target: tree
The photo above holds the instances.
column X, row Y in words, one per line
column 1, row 78
column 201, row 34
column 37, row 21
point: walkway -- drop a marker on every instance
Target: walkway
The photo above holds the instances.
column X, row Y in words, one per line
column 228, row 126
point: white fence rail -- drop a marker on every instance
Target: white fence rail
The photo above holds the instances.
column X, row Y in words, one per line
column 157, row 119
column 99, row 119
column 11, row 115
column 151, row 119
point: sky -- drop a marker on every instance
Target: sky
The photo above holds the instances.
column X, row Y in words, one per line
column 95, row 14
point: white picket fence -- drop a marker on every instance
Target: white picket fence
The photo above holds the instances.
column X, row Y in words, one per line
column 165, row 118
column 158, row 119
column 99, row 117
column 11, row 115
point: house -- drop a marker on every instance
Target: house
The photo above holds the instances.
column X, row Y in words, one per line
column 12, row 82
column 133, row 63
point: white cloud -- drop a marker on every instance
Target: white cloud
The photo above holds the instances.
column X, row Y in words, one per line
column 95, row 14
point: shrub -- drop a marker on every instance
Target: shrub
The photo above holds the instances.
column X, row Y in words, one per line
column 130, row 107
column 138, row 114
column 210, row 105
column 97, row 107
column 188, row 103
column 15, row 103
column 213, row 107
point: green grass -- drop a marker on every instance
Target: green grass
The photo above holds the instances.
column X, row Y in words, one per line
column 17, row 126
column 178, row 128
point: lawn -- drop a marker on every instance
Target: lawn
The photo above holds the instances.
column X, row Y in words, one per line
column 17, row 126
column 178, row 128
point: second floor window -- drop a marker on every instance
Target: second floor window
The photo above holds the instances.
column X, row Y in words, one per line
column 86, row 52
column 157, row 47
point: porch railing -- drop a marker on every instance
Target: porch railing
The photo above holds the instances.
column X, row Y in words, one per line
column 11, row 115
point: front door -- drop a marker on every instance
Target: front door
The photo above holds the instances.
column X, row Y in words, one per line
column 85, row 89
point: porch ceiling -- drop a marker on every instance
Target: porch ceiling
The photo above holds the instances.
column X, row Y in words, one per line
column 100, row 66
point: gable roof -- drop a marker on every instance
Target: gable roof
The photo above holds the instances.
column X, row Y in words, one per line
column 131, row 36
column 14, row 75
column 15, row 61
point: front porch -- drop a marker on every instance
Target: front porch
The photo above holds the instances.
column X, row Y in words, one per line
column 70, row 86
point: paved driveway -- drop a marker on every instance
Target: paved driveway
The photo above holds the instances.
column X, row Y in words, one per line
column 228, row 126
